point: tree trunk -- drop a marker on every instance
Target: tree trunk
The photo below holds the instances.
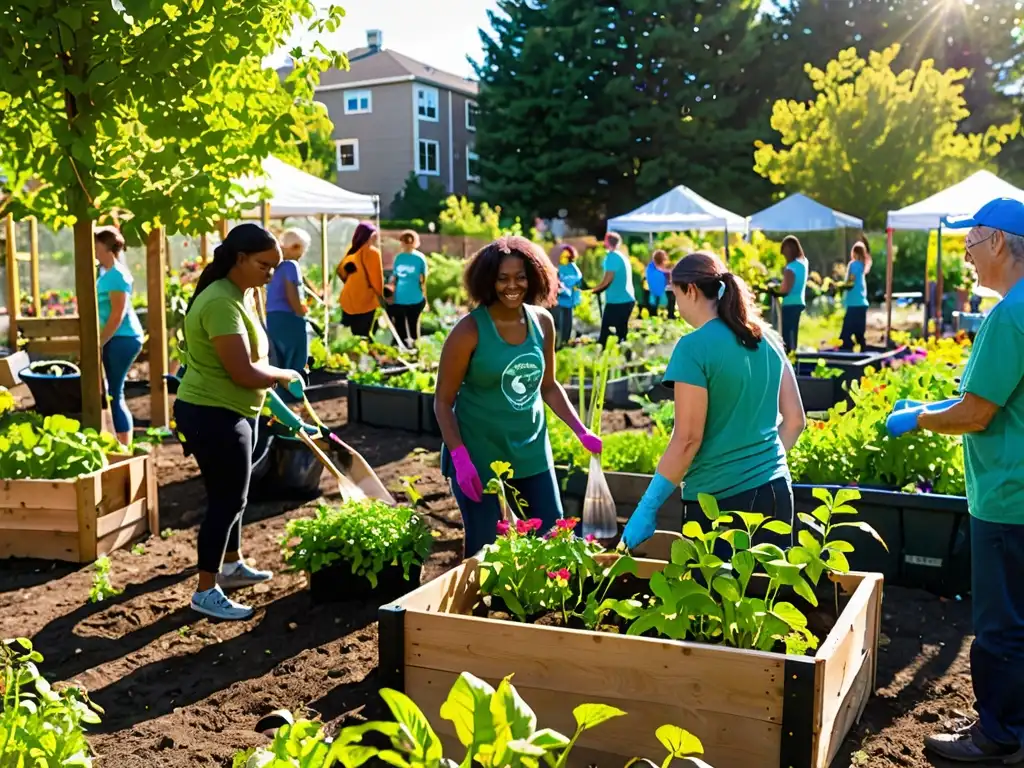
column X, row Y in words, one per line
column 88, row 315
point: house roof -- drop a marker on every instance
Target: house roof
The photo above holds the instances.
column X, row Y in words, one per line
column 368, row 66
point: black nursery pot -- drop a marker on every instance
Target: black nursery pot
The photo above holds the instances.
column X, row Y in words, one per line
column 55, row 394
column 337, row 584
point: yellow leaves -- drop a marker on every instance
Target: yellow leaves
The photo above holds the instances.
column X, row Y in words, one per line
column 172, row 12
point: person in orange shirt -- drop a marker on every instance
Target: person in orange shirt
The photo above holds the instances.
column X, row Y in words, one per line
column 362, row 275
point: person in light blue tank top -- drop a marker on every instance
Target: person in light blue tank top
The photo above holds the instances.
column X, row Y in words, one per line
column 408, row 285
column 793, row 291
column 855, row 321
column 496, row 374
column 120, row 330
column 617, row 286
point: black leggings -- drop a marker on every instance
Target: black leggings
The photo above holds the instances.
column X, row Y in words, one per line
column 406, row 318
column 361, row 324
column 222, row 442
column 791, row 326
column 855, row 326
column 615, row 316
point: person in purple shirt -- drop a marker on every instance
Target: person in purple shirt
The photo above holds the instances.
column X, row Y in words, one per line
column 286, row 310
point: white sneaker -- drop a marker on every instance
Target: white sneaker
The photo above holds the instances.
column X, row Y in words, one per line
column 238, row 575
column 214, row 603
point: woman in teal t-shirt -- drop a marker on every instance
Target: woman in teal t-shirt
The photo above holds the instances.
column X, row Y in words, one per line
column 855, row 321
column 408, row 286
column 120, row 330
column 732, row 383
column 497, row 372
column 793, row 291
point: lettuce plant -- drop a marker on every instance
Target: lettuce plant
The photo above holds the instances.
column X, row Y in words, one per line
column 496, row 727
column 40, row 726
column 51, row 447
column 367, row 535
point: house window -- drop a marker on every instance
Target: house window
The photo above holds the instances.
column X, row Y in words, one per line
column 427, row 161
column 358, row 102
column 347, row 154
column 472, row 165
column 427, row 100
column 471, row 110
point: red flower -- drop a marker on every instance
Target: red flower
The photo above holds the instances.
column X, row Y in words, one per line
column 523, row 527
column 560, row 577
column 534, row 523
column 566, row 525
column 503, row 527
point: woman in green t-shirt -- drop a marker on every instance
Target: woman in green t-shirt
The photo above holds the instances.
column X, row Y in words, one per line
column 496, row 374
column 219, row 399
column 732, row 383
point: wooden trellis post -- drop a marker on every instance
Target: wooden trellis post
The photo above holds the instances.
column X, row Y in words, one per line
column 13, row 286
column 33, row 248
column 156, row 267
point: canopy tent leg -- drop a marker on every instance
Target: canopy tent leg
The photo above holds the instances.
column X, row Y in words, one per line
column 888, row 289
column 927, row 297
column 156, row 300
column 725, row 247
column 325, row 287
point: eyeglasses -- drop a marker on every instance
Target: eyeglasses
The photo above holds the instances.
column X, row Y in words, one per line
column 976, row 243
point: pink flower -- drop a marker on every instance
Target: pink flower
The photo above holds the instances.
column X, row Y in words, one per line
column 523, row 527
column 566, row 525
column 590, row 538
column 534, row 523
column 560, row 577
column 503, row 527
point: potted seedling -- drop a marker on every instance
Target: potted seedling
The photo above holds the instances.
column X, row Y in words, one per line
column 358, row 549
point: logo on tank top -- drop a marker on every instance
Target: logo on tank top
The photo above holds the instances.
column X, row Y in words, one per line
column 520, row 381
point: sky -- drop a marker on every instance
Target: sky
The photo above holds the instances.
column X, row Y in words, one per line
column 437, row 32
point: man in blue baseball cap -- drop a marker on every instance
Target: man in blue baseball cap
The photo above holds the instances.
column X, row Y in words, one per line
column 990, row 415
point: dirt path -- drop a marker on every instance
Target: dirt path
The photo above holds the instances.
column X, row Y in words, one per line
column 183, row 692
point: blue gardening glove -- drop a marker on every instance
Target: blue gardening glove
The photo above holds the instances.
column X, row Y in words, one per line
column 903, row 405
column 296, row 388
column 641, row 524
column 901, row 422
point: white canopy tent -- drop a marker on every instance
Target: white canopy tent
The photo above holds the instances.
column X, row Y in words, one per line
column 297, row 193
column 962, row 199
column 678, row 210
column 799, row 213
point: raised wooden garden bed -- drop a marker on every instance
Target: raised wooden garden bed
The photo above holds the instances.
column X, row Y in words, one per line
column 81, row 519
column 928, row 535
column 750, row 709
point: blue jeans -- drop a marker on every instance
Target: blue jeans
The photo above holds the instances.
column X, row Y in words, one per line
column 997, row 655
column 118, row 355
column 791, row 326
column 480, row 519
column 287, row 333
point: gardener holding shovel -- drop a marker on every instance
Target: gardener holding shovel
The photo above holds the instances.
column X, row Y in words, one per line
column 219, row 399
column 496, row 374
column 286, row 310
column 990, row 415
column 737, row 406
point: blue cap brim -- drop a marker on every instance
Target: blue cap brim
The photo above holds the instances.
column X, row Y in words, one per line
column 959, row 222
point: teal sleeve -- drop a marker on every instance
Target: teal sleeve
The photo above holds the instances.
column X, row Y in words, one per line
column 687, row 364
column 114, row 280
column 996, row 366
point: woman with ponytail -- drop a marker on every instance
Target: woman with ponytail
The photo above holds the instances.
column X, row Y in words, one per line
column 737, row 406
column 220, row 397
column 362, row 275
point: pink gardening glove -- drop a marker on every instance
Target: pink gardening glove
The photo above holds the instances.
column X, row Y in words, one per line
column 589, row 440
column 466, row 475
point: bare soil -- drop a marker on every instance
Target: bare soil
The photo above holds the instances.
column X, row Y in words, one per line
column 181, row 691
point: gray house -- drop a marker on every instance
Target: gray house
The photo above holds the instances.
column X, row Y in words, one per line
column 392, row 116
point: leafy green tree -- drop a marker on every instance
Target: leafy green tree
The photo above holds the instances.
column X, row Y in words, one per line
column 875, row 139
column 150, row 107
column 414, row 201
column 595, row 107
column 316, row 156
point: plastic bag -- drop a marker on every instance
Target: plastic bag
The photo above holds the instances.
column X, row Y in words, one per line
column 599, row 518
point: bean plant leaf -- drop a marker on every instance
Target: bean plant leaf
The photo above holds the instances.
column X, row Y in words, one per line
column 860, row 525
column 790, row 614
column 592, row 715
column 822, row 495
column 549, row 740
column 845, row 496
column 778, row 526
column 512, row 717
column 709, row 505
column 468, row 707
column 679, row 743
column 425, row 744
column 837, row 562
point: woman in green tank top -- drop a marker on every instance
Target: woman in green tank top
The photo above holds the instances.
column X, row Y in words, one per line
column 496, row 374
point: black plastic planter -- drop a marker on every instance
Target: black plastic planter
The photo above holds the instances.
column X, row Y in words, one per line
column 386, row 407
column 324, row 385
column 54, row 393
column 818, row 395
column 283, row 469
column 928, row 535
column 822, row 394
column 337, row 584
column 616, row 395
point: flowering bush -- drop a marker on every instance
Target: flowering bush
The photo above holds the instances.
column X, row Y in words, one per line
column 53, row 304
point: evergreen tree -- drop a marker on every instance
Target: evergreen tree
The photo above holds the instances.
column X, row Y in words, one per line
column 595, row 108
